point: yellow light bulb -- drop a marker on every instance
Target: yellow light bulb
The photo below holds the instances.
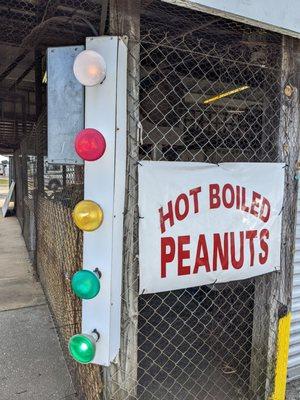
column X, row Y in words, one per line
column 87, row 215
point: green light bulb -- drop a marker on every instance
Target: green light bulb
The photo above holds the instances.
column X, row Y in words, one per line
column 82, row 348
column 85, row 284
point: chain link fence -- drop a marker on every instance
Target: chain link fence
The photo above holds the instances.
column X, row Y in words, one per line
column 217, row 341
column 212, row 342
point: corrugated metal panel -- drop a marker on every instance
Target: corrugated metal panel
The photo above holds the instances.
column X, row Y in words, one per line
column 294, row 353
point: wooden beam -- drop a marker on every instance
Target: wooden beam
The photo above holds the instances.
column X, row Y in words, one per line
column 103, row 19
column 193, row 29
column 13, row 65
column 120, row 379
column 22, row 76
column 39, row 103
column 273, row 291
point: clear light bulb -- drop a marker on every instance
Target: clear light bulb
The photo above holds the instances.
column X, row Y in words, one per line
column 89, row 68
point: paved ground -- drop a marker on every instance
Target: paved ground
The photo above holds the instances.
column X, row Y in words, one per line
column 293, row 391
column 32, row 366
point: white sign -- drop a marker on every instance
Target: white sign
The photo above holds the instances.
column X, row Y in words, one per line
column 205, row 223
column 279, row 16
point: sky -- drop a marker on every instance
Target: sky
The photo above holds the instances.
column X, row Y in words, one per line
column 3, row 158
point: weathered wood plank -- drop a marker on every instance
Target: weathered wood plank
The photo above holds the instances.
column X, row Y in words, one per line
column 273, row 291
column 121, row 377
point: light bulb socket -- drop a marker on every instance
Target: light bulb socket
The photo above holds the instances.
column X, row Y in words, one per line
column 98, row 273
column 96, row 335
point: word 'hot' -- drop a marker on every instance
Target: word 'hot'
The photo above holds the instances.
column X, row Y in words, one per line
column 181, row 208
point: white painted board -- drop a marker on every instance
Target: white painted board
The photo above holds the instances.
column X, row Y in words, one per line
column 8, row 198
column 104, row 183
column 206, row 223
column 279, row 16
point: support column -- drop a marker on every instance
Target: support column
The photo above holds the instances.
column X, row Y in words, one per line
column 273, row 291
column 120, row 379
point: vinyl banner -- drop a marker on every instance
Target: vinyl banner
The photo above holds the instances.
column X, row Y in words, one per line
column 205, row 223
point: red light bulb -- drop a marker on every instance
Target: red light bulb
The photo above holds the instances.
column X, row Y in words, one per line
column 90, row 144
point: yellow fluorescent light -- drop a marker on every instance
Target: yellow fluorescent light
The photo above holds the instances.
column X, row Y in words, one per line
column 225, row 94
column 45, row 78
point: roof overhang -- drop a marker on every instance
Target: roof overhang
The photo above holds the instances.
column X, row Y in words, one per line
column 278, row 16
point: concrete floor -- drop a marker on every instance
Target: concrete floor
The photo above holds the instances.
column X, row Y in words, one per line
column 293, row 390
column 32, row 366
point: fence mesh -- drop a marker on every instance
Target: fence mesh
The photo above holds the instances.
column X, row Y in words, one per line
column 185, row 344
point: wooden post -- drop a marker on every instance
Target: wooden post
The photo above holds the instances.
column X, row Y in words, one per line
column 38, row 112
column 273, row 291
column 38, row 77
column 120, row 379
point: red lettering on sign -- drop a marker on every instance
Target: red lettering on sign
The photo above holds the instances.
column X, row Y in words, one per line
column 167, row 254
column 220, row 251
column 169, row 216
column 214, row 196
column 243, row 206
column 194, row 193
column 255, row 204
column 263, row 257
column 251, row 235
column 202, row 255
column 238, row 197
column 228, row 250
column 182, row 202
column 183, row 255
column 237, row 263
column 265, row 210
column 228, row 195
